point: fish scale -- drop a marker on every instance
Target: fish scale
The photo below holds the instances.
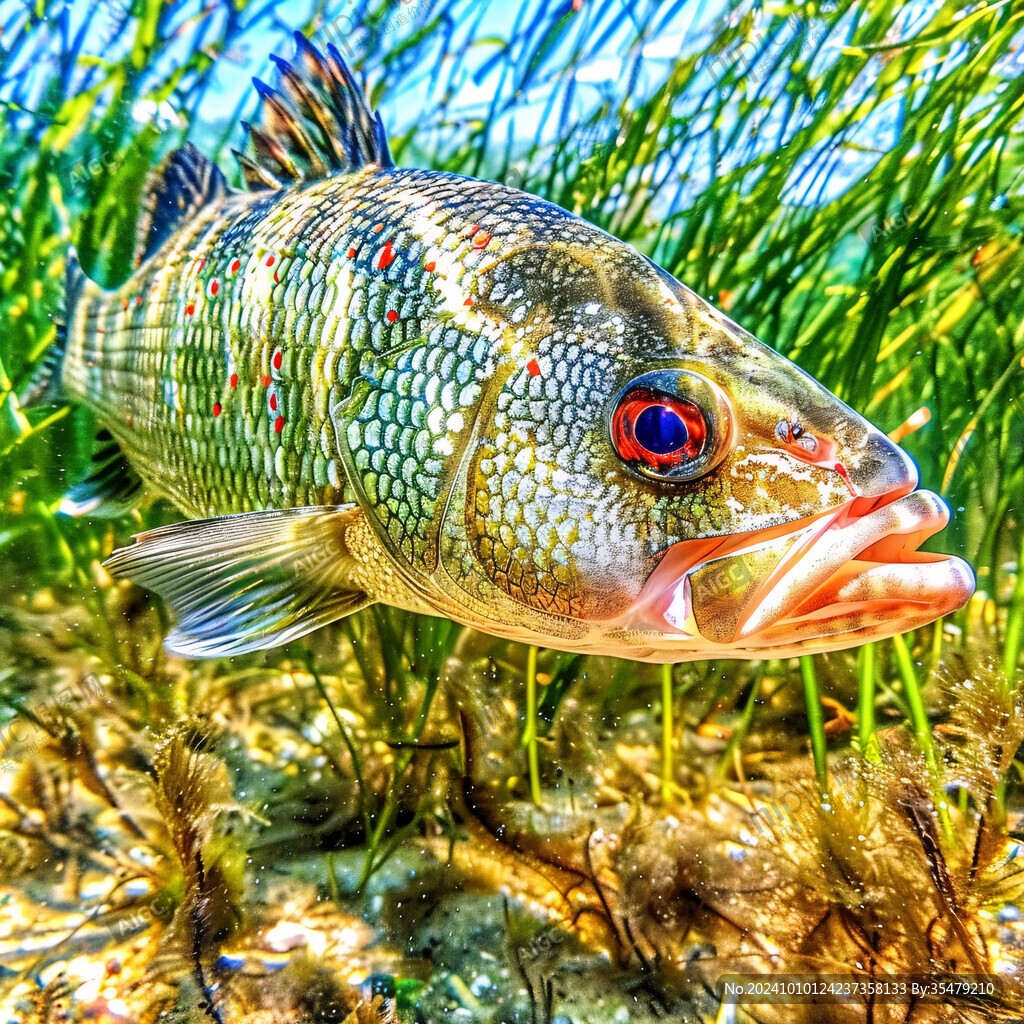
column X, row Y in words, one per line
column 375, row 315
column 372, row 383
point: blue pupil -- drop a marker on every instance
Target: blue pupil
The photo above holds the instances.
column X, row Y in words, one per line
column 660, row 430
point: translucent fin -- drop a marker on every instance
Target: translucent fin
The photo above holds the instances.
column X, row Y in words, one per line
column 246, row 582
column 112, row 489
column 317, row 123
column 184, row 185
column 45, row 388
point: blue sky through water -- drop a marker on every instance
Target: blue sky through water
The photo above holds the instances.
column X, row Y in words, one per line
column 613, row 49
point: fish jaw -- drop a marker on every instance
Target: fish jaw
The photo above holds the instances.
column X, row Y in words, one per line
column 836, row 580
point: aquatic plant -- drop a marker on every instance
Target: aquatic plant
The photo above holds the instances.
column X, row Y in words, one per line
column 844, row 180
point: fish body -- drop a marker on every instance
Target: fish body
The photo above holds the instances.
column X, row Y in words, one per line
column 400, row 385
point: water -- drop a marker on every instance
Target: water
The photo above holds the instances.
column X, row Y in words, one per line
column 398, row 809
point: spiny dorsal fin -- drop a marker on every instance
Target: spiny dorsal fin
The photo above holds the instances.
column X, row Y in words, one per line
column 186, row 183
column 316, row 123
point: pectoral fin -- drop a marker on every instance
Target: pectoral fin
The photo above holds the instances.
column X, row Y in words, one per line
column 246, row 582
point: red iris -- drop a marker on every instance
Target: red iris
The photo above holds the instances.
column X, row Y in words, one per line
column 656, row 429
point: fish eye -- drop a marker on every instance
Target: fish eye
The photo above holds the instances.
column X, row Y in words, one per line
column 657, row 429
column 670, row 425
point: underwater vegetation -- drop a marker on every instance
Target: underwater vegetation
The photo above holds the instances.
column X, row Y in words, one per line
column 398, row 818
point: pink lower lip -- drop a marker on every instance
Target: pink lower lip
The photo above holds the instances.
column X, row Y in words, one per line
column 856, row 569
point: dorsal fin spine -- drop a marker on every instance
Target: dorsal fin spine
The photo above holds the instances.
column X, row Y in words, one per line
column 310, row 108
column 317, row 122
column 256, row 176
column 290, row 125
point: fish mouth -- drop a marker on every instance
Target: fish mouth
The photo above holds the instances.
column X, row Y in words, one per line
column 830, row 581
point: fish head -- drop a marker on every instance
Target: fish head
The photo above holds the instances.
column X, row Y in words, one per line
column 649, row 480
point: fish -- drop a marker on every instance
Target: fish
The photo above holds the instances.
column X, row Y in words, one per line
column 366, row 383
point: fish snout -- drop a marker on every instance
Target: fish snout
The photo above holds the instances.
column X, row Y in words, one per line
column 849, row 576
column 882, row 468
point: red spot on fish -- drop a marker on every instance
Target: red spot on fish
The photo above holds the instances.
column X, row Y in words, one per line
column 190, row 309
column 351, row 253
column 277, row 280
column 270, row 261
column 266, row 380
column 481, row 241
column 234, row 380
column 392, row 315
column 386, row 257
column 216, row 408
column 471, row 230
column 534, row 367
column 277, row 359
column 200, row 263
column 273, row 403
column 124, row 303
column 279, row 424
column 430, row 267
column 138, row 300
column 469, row 301
column 841, row 470
column 234, row 266
column 577, row 5
column 214, row 287
column 378, row 228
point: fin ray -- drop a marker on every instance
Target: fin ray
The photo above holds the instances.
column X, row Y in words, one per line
column 44, row 386
column 185, row 184
column 111, row 489
column 316, row 122
column 249, row 581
